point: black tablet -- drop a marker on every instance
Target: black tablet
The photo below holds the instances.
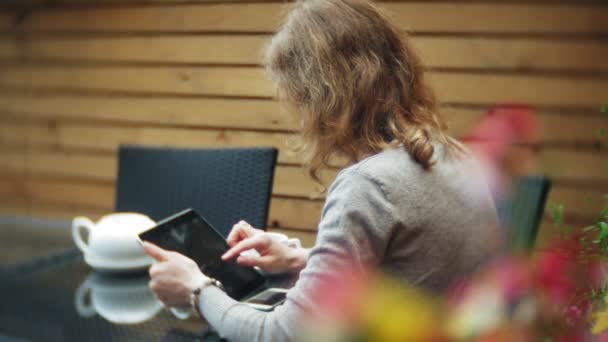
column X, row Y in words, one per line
column 188, row 233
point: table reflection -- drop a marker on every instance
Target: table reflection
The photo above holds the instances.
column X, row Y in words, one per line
column 120, row 299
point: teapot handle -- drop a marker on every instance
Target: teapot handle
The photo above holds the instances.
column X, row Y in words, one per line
column 77, row 225
column 83, row 306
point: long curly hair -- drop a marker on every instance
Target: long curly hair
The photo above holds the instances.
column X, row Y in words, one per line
column 355, row 83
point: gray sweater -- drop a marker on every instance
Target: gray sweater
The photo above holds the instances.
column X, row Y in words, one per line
column 427, row 228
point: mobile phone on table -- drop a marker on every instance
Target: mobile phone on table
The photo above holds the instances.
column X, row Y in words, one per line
column 188, row 233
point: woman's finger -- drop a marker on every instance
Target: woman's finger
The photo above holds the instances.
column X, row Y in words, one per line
column 240, row 231
column 259, row 242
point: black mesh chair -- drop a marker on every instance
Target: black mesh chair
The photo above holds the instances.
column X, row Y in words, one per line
column 224, row 185
column 521, row 212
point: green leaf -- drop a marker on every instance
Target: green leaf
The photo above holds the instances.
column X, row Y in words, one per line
column 556, row 212
column 604, row 214
column 604, row 108
column 601, row 132
column 603, row 231
column 587, row 199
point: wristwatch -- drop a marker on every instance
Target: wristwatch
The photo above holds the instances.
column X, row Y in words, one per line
column 194, row 296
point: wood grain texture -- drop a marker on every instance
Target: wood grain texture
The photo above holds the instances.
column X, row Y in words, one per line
column 199, row 112
column 453, row 87
column 436, row 52
column 7, row 20
column 176, row 80
column 577, row 127
column 264, row 17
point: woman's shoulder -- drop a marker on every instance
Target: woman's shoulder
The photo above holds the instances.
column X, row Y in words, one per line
column 393, row 169
column 383, row 166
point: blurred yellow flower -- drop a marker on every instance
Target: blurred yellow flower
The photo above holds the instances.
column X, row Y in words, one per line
column 392, row 312
column 601, row 319
column 483, row 311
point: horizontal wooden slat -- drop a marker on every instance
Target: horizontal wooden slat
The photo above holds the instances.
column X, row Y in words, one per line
column 575, row 165
column 82, row 194
column 557, row 163
column 579, row 203
column 97, row 138
column 223, row 49
column 447, row 17
column 263, row 17
column 178, row 80
column 306, row 238
column 61, row 164
column 579, row 127
column 294, row 213
column 13, row 206
column 511, row 54
column 251, row 81
column 215, row 17
column 576, row 128
column 235, row 113
column 496, row 89
column 436, row 52
column 9, row 188
column 7, row 19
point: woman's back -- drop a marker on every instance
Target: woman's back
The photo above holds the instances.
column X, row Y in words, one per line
column 440, row 226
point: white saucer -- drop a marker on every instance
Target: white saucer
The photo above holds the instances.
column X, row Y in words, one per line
column 114, row 265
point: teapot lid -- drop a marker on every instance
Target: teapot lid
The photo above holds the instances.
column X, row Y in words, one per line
column 128, row 223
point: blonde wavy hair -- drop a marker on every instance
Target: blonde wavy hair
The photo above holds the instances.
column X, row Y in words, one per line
column 355, row 82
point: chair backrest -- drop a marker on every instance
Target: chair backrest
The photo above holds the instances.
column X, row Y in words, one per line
column 521, row 212
column 223, row 185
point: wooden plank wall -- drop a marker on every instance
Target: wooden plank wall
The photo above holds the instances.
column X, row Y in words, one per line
column 78, row 79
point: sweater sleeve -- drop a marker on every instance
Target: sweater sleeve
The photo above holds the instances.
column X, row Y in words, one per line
column 354, row 231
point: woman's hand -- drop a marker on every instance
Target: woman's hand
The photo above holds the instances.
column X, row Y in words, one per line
column 173, row 276
column 274, row 256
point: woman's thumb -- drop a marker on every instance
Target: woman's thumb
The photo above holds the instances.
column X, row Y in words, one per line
column 155, row 252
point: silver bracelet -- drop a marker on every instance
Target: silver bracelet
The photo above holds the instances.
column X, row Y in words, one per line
column 194, row 296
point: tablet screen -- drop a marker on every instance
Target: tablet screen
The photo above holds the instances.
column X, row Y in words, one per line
column 189, row 234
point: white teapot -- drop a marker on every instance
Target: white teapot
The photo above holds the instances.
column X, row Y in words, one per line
column 112, row 243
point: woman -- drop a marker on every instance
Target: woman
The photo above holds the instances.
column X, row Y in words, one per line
column 410, row 202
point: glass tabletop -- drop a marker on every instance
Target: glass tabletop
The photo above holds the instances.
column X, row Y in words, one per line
column 48, row 293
